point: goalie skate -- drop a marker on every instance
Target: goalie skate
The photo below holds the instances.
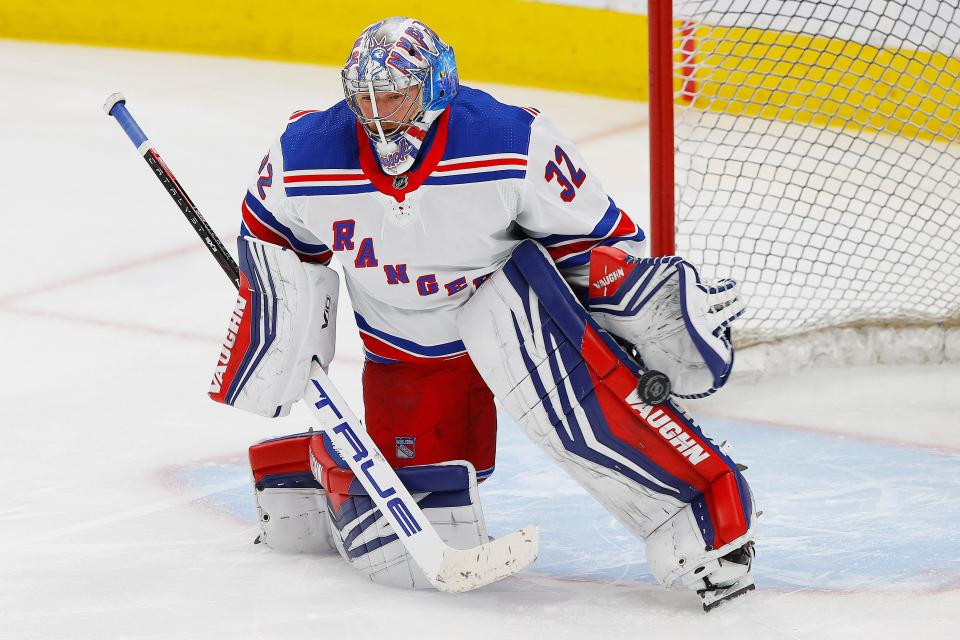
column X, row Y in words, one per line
column 718, row 587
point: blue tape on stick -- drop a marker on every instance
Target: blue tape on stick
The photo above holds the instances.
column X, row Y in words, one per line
column 129, row 125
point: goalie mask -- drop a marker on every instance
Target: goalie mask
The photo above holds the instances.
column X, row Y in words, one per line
column 398, row 79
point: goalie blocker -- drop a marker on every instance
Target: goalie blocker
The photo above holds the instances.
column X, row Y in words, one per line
column 285, row 315
column 572, row 389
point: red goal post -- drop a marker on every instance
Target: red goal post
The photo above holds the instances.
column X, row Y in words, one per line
column 811, row 150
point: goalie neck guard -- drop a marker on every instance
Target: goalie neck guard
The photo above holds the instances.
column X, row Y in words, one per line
column 398, row 79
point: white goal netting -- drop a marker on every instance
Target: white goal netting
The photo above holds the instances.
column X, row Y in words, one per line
column 818, row 159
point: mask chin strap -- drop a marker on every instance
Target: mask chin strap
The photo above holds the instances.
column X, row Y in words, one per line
column 376, row 113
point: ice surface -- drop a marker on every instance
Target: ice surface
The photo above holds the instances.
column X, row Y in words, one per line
column 127, row 512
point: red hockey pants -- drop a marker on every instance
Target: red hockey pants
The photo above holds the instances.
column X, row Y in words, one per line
column 429, row 412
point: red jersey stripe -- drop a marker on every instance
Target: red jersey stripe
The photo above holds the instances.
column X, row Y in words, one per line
column 625, row 227
column 383, row 349
column 474, row 164
column 300, row 114
column 323, row 177
column 261, row 231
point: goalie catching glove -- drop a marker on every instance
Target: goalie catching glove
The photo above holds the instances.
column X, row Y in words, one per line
column 677, row 324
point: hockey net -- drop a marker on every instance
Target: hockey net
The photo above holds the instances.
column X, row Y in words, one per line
column 817, row 161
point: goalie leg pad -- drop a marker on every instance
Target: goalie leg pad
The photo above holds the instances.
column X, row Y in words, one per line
column 573, row 391
column 284, row 316
column 291, row 505
column 447, row 493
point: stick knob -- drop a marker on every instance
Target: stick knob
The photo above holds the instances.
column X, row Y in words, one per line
column 112, row 101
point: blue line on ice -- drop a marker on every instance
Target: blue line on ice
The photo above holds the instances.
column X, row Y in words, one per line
column 840, row 513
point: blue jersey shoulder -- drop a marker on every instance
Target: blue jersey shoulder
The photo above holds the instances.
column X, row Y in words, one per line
column 481, row 125
column 321, row 140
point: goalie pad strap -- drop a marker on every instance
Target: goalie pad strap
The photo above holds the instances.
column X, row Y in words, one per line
column 573, row 390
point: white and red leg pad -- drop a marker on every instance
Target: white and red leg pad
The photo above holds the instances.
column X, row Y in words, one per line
column 285, row 315
column 291, row 505
column 447, row 493
column 573, row 390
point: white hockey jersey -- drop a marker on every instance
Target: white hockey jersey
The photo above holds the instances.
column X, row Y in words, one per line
column 415, row 247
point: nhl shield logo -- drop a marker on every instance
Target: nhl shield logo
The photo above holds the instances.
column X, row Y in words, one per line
column 406, row 447
column 400, row 182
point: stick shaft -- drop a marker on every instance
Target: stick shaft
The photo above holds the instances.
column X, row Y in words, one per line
column 172, row 186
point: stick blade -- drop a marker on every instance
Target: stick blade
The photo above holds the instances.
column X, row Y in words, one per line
column 468, row 569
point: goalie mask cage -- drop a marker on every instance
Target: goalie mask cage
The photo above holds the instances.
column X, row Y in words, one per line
column 811, row 151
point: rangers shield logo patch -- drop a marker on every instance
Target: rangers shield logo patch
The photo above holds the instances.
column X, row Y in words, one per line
column 406, row 447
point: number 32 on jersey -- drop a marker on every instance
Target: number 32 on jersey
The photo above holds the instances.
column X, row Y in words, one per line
column 569, row 180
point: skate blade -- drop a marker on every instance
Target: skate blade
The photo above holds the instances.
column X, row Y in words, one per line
column 713, row 599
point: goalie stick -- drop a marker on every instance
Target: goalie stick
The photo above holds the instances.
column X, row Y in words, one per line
column 447, row 569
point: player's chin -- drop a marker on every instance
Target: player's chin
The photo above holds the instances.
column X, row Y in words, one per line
column 387, row 127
